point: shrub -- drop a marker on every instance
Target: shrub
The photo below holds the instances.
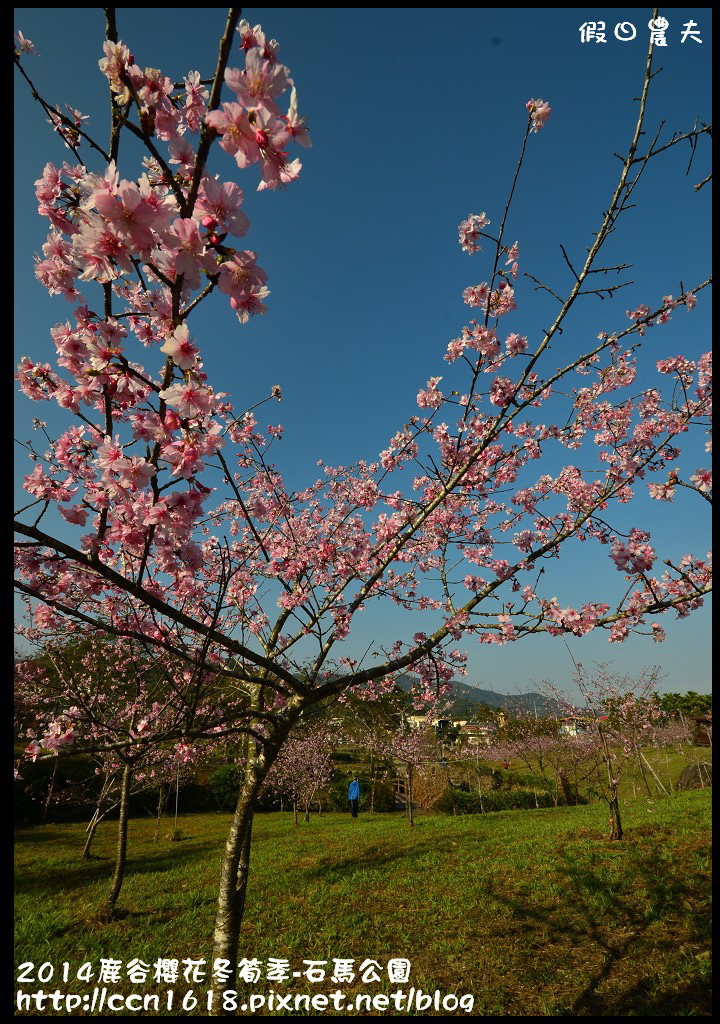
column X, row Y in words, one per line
column 455, row 801
column 335, row 795
column 224, row 785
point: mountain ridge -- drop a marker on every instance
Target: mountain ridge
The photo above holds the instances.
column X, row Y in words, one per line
column 467, row 697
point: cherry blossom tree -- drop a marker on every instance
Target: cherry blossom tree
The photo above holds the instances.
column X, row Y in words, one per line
column 158, row 772
column 369, row 724
column 158, row 515
column 624, row 714
column 429, row 783
column 304, row 766
column 132, row 709
column 411, row 748
column 545, row 748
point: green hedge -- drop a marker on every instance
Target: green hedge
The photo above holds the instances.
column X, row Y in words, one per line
column 336, row 798
column 455, row 801
column 224, row 785
column 506, row 777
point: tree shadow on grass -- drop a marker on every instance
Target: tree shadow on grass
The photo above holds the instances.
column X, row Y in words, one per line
column 646, row 999
column 40, row 834
column 619, row 912
column 83, row 873
column 668, row 895
column 332, row 869
column 165, row 913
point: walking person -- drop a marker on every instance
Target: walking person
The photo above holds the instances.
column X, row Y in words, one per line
column 354, row 796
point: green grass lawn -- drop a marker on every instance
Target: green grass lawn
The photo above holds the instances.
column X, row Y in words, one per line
column 532, row 912
column 658, row 774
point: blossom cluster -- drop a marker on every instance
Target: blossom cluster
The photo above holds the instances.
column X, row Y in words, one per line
column 539, row 111
column 456, row 518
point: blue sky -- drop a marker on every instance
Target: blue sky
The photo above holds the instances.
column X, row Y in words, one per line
column 417, row 118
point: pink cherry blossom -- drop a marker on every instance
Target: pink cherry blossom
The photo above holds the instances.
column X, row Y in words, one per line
column 634, row 556
column 75, row 514
column 185, row 251
column 190, row 399
column 515, row 344
column 116, row 66
column 539, row 113
column 477, row 295
column 431, row 398
column 196, row 96
column 661, row 492
column 237, row 134
column 297, row 126
column 24, row 45
column 502, row 391
column 222, row 201
column 261, row 83
column 240, row 275
column 470, row 230
column 255, row 37
column 130, row 214
column 180, row 535
column 180, row 348
column 272, row 135
column 134, row 472
column 702, row 479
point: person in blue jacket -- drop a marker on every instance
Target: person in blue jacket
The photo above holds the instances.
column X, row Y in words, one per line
column 354, row 796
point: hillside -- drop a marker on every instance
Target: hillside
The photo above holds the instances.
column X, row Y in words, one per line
column 466, row 699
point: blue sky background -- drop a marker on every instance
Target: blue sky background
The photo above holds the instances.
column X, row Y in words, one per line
column 417, row 118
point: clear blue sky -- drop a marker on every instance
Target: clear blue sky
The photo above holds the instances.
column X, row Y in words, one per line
column 416, row 118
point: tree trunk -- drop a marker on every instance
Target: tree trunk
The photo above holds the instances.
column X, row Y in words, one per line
column 51, row 787
column 307, row 805
column 92, row 829
column 556, row 794
column 162, row 800
column 563, row 789
column 411, row 821
column 236, row 862
column 616, row 829
column 295, row 812
column 98, row 816
column 121, row 855
column 177, row 799
column 233, row 888
column 372, row 781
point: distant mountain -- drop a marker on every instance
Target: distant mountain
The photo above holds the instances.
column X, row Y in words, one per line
column 467, row 698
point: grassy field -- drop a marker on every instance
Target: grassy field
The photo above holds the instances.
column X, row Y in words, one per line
column 658, row 774
column 533, row 913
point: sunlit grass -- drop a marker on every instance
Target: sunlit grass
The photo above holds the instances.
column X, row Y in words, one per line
column 532, row 912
